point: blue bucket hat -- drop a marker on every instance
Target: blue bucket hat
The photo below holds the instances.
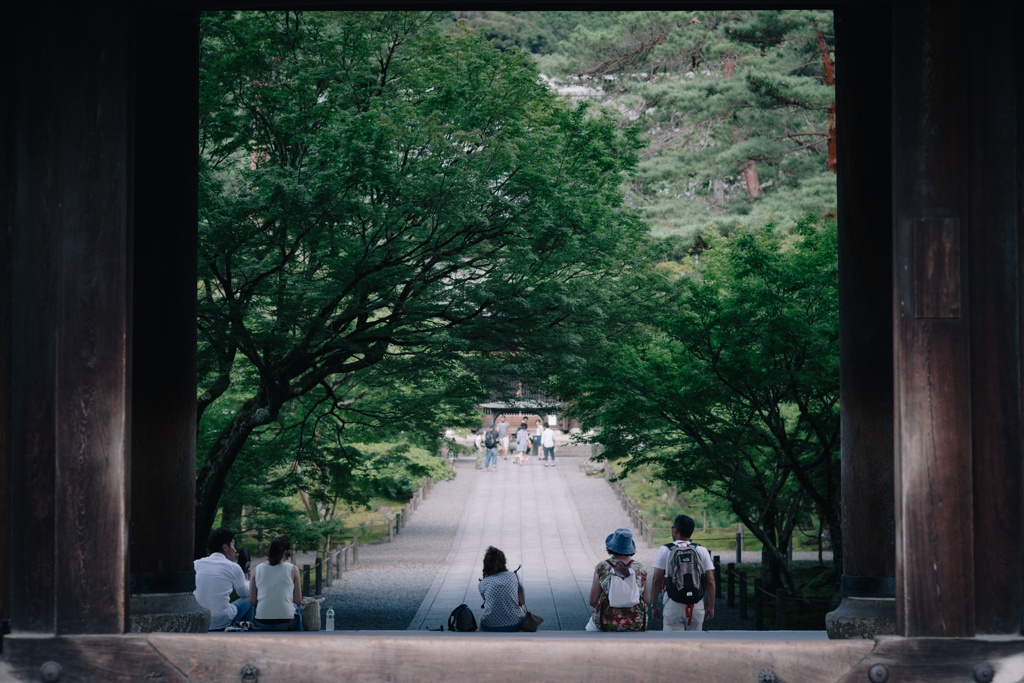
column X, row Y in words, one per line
column 621, row 542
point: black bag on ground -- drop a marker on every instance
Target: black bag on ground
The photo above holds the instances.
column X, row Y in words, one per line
column 461, row 619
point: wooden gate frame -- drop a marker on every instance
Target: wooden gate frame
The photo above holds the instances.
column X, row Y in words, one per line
column 97, row 172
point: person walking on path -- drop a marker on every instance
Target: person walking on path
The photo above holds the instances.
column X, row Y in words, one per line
column 522, row 443
column 620, row 594
column 502, row 593
column 547, row 440
column 478, row 442
column 680, row 616
column 538, row 432
column 503, row 436
column 491, row 442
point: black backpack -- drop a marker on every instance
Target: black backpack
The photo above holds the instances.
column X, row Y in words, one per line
column 461, row 619
column 685, row 574
column 490, row 439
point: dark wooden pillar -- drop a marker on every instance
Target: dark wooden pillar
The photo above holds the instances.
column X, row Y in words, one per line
column 863, row 130
column 995, row 314
column 164, row 306
column 6, row 225
column 67, row 307
column 956, row 214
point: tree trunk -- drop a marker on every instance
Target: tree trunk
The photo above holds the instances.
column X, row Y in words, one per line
column 753, row 181
column 830, row 80
column 259, row 410
column 231, row 515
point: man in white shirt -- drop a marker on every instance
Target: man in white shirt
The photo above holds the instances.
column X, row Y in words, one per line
column 676, row 613
column 547, row 442
column 216, row 575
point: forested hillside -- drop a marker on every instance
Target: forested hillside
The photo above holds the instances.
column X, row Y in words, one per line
column 738, row 106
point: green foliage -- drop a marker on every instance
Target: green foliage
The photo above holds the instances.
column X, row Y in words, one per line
column 388, row 212
column 729, row 382
column 735, row 106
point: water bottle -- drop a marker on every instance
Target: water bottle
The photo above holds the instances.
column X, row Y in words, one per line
column 330, row 618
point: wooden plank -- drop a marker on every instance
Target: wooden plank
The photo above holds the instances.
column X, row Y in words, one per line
column 995, row 301
column 865, row 291
column 934, row 587
column 329, row 658
column 87, row 659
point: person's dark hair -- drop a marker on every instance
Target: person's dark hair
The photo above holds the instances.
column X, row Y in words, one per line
column 278, row 547
column 494, row 561
column 522, row 425
column 218, row 539
column 684, row 525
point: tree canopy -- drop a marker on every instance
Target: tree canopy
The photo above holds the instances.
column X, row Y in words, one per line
column 738, row 106
column 728, row 381
column 389, row 212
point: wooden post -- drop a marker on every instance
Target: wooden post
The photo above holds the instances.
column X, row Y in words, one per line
column 995, row 306
column 731, row 578
column 319, row 576
column 739, row 548
column 163, row 333
column 780, row 609
column 865, row 548
column 66, row 266
column 718, row 576
column 743, row 594
column 305, row 579
column 355, row 551
column 934, row 588
column 758, row 606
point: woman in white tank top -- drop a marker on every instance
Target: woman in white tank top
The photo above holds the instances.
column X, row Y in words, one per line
column 275, row 590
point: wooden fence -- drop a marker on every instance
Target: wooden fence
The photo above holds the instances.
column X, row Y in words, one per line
column 330, row 569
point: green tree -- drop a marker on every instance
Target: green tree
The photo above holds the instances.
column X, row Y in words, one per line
column 386, row 207
column 729, row 382
column 739, row 108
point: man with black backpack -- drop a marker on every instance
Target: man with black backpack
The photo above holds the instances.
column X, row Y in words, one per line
column 686, row 572
column 491, row 443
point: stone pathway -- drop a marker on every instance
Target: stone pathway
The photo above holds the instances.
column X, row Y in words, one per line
column 527, row 512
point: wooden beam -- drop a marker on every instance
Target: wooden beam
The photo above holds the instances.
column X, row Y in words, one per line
column 934, row 586
column 69, row 328
column 449, row 657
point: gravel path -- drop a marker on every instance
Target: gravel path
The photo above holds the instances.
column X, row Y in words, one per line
column 391, row 581
column 386, row 588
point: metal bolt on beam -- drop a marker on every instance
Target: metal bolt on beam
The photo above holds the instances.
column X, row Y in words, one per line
column 878, row 673
column 50, row 672
column 984, row 673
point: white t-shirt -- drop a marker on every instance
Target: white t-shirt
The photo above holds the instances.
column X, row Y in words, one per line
column 547, row 439
column 216, row 575
column 661, row 562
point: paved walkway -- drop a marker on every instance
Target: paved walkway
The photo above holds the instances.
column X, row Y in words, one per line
column 528, row 513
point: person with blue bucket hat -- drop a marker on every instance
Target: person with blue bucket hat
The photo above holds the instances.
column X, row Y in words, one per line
column 620, row 594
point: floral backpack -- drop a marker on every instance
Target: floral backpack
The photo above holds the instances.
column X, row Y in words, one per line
column 621, row 580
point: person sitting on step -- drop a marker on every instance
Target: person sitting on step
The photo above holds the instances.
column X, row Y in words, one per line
column 276, row 590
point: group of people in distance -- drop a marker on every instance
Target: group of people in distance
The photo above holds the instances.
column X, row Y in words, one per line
column 269, row 598
column 623, row 596
column 495, row 440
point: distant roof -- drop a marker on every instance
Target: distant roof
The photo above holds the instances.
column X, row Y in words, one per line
column 519, row 405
